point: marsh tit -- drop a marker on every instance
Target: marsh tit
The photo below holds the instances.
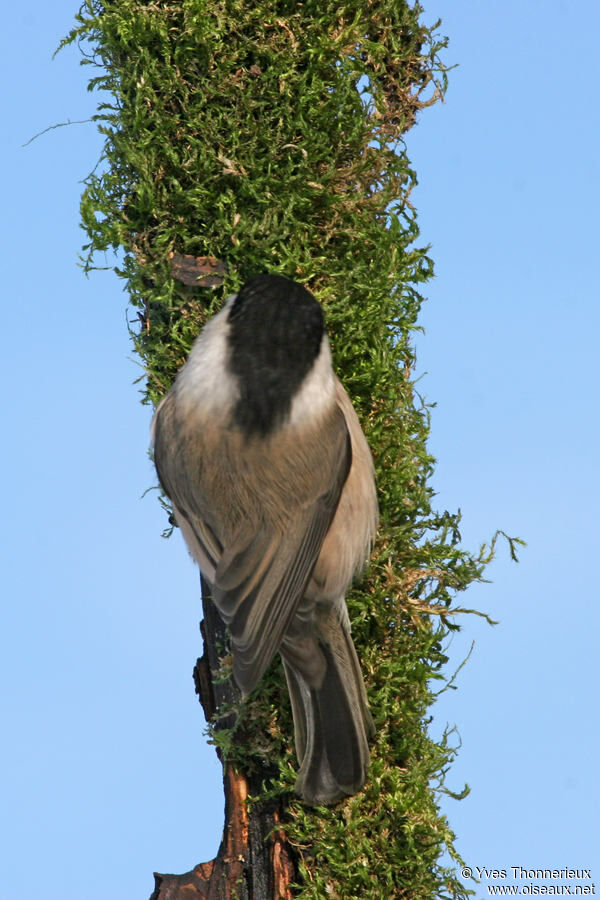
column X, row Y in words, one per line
column 261, row 453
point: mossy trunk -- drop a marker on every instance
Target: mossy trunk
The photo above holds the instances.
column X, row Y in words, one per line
column 268, row 136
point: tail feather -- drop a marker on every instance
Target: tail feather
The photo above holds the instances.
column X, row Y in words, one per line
column 332, row 722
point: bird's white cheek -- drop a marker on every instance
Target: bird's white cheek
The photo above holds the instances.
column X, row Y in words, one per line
column 317, row 392
column 204, row 385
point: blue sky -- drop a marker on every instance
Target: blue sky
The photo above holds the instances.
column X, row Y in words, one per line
column 106, row 768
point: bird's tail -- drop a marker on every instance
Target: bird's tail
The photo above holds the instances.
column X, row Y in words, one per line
column 332, row 722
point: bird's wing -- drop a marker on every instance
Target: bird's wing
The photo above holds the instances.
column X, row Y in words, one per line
column 261, row 577
column 260, row 574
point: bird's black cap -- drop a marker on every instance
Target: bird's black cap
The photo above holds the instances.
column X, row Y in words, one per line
column 276, row 328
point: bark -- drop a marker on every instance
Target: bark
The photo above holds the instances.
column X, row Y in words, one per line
column 255, row 861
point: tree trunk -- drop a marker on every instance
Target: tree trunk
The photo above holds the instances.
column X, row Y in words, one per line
column 255, row 861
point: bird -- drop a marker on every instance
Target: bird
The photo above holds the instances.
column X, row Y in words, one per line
column 271, row 481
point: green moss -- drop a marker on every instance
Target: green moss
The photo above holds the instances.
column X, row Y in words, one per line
column 268, row 134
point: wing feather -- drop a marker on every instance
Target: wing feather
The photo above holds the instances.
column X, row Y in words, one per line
column 259, row 586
